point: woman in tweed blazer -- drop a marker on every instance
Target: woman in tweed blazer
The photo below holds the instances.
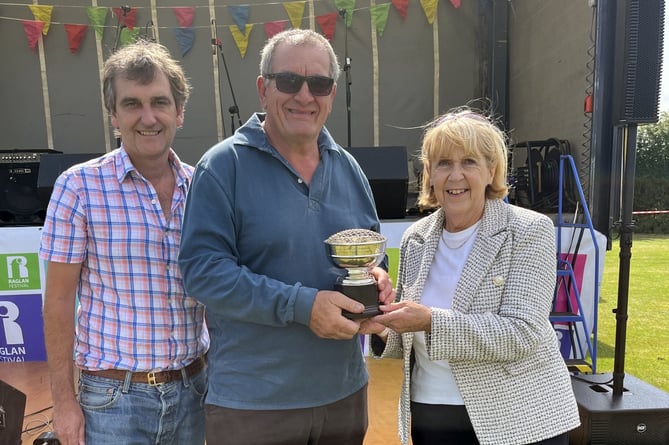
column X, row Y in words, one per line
column 475, row 287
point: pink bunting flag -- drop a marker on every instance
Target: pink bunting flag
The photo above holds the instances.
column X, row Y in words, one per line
column 276, row 27
column 455, row 3
column 401, row 6
column 184, row 15
column 127, row 16
column 33, row 30
column 75, row 34
column 328, row 23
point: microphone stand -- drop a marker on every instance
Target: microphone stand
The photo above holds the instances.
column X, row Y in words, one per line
column 347, row 71
column 120, row 24
column 150, row 31
column 234, row 109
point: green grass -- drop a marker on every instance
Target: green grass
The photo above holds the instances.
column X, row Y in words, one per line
column 647, row 337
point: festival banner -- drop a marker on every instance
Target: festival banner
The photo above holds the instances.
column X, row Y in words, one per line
column 21, row 290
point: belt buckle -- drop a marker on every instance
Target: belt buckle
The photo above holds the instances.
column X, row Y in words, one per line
column 151, row 378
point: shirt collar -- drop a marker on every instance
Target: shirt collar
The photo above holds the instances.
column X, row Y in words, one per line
column 124, row 167
column 253, row 135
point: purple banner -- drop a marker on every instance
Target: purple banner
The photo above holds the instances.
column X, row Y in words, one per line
column 21, row 328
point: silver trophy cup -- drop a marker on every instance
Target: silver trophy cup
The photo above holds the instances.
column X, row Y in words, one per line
column 358, row 251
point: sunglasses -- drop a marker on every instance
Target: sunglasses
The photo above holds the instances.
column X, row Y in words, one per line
column 291, row 83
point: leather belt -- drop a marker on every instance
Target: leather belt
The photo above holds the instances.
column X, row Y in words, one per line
column 151, row 378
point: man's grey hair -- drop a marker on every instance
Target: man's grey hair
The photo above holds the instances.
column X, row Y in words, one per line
column 297, row 37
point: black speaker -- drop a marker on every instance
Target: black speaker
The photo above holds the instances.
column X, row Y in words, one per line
column 638, row 416
column 387, row 170
column 12, row 411
column 52, row 165
column 638, row 60
column 20, row 204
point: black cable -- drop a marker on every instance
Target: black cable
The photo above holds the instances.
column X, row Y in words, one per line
column 39, row 411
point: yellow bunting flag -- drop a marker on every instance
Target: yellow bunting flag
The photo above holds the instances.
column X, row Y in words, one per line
column 430, row 9
column 295, row 12
column 242, row 40
column 42, row 14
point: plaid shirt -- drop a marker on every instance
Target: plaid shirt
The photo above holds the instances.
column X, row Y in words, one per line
column 133, row 312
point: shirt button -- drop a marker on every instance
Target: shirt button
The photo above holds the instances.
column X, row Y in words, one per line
column 299, row 180
column 153, row 201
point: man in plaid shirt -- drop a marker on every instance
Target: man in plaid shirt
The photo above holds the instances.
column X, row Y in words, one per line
column 111, row 238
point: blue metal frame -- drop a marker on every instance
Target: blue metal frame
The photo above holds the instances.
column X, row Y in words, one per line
column 565, row 269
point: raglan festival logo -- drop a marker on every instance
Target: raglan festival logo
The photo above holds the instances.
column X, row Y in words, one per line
column 21, row 272
column 21, row 324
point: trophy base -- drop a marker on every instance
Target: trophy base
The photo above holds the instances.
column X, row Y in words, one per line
column 366, row 294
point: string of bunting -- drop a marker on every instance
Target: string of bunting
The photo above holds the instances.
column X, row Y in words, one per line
column 126, row 18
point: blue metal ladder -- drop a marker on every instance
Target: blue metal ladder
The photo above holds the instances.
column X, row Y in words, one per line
column 566, row 281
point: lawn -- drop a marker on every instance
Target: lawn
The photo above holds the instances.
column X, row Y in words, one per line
column 647, row 337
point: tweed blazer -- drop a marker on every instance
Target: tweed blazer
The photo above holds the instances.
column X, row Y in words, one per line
column 497, row 337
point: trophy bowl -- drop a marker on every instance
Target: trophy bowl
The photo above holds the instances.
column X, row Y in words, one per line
column 357, row 248
column 358, row 251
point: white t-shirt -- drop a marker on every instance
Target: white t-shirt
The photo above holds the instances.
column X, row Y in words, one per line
column 432, row 381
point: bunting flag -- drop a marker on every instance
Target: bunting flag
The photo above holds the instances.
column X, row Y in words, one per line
column 328, row 24
column 185, row 37
column 126, row 16
column 346, row 5
column 97, row 17
column 430, row 9
column 380, row 17
column 276, row 27
column 42, row 14
column 401, row 6
column 32, row 29
column 75, row 34
column 241, row 38
column 295, row 12
column 184, row 15
column 240, row 15
column 128, row 35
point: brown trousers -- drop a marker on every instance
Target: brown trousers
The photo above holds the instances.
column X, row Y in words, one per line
column 340, row 423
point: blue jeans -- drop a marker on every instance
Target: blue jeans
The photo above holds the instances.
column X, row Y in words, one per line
column 124, row 413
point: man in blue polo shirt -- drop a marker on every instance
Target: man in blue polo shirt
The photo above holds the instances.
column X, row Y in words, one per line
column 284, row 366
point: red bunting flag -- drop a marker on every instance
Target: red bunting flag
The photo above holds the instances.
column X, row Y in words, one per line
column 455, row 3
column 276, row 27
column 328, row 23
column 75, row 34
column 33, row 30
column 184, row 15
column 127, row 16
column 401, row 6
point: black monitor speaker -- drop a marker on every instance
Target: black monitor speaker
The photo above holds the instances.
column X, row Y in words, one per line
column 52, row 165
column 638, row 416
column 20, row 204
column 12, row 412
column 387, row 171
column 26, row 182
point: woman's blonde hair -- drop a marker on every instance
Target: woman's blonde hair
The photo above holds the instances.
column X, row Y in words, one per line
column 477, row 135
